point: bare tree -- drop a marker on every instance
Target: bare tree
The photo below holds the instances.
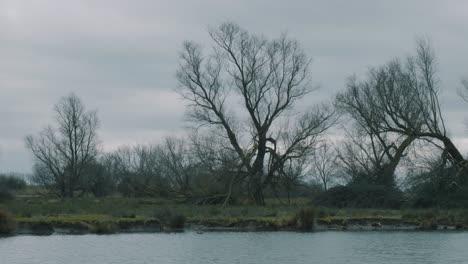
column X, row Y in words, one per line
column 138, row 170
column 268, row 77
column 371, row 157
column 219, row 169
column 177, row 165
column 97, row 179
column 397, row 104
column 324, row 162
column 293, row 174
column 63, row 151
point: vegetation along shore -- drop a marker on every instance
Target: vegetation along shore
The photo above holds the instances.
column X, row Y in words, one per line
column 126, row 215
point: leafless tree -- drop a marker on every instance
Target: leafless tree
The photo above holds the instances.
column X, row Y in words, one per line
column 63, row 151
column 138, row 170
column 97, row 179
column 177, row 164
column 397, row 104
column 268, row 77
column 219, row 169
column 425, row 158
column 369, row 157
column 426, row 91
column 324, row 165
column 292, row 175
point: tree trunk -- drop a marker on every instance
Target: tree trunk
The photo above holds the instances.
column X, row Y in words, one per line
column 387, row 173
column 258, row 196
column 256, row 189
column 257, row 173
column 452, row 150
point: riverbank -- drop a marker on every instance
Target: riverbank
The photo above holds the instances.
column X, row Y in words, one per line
column 81, row 225
column 42, row 216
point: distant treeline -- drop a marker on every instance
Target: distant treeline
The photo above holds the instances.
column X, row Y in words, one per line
column 249, row 142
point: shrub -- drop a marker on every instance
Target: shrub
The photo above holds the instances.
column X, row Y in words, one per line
column 42, row 228
column 104, row 228
column 177, row 221
column 171, row 219
column 361, row 196
column 430, row 195
column 305, row 219
column 7, row 222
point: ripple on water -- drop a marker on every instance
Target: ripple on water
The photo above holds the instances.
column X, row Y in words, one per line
column 245, row 248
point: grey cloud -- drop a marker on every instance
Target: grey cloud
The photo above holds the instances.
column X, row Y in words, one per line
column 120, row 56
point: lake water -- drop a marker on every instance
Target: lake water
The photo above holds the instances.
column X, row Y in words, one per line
column 245, row 248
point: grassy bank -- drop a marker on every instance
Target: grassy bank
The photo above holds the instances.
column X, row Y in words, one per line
column 117, row 211
column 129, row 207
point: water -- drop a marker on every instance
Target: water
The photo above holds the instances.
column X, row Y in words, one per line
column 245, row 248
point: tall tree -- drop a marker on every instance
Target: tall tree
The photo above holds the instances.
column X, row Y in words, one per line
column 398, row 103
column 268, row 77
column 63, row 151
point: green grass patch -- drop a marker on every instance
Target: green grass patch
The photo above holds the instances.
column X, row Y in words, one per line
column 113, row 209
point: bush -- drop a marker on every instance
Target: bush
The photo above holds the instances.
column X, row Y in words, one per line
column 430, row 195
column 42, row 228
column 361, row 196
column 7, row 222
column 305, row 219
column 104, row 228
column 171, row 219
column 177, row 221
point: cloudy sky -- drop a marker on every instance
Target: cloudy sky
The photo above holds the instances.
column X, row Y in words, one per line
column 120, row 56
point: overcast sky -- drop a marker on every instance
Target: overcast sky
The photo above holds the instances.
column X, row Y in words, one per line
column 120, row 57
